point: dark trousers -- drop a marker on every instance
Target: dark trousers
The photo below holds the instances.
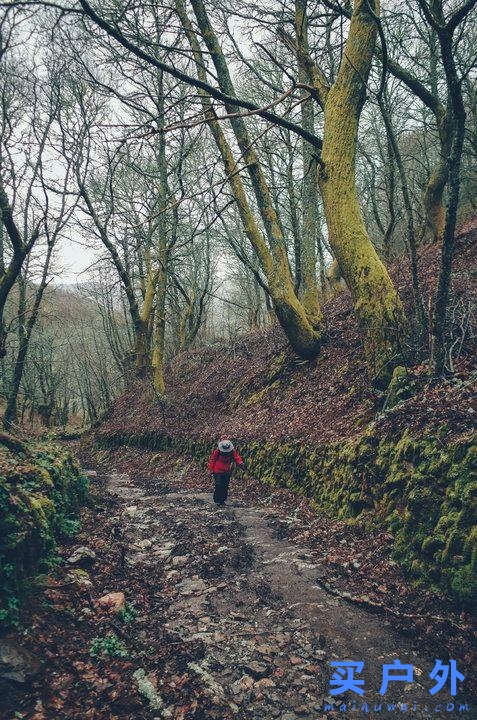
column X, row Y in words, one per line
column 221, row 487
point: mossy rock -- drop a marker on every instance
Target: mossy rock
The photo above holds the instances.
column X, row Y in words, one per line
column 432, row 544
column 400, row 388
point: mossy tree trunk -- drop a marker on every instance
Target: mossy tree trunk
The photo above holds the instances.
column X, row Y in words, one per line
column 432, row 197
column 374, row 297
column 308, row 286
column 160, row 323
column 143, row 333
column 303, row 332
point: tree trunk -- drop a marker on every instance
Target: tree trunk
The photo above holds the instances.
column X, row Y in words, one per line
column 308, row 289
column 160, row 325
column 435, row 216
column 304, row 338
column 410, row 218
column 10, row 416
column 375, row 299
column 143, row 335
column 456, row 131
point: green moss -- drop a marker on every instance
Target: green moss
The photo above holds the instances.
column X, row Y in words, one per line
column 418, row 488
column 39, row 501
column 258, row 396
column 400, row 387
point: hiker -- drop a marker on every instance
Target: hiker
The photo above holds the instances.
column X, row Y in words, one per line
column 219, row 465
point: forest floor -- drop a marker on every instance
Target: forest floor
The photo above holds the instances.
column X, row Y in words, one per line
column 232, row 612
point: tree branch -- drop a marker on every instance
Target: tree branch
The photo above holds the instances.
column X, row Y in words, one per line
column 189, row 80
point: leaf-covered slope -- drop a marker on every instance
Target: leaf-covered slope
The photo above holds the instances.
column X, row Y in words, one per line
column 253, row 387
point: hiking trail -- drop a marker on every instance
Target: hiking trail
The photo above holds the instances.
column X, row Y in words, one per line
column 255, row 605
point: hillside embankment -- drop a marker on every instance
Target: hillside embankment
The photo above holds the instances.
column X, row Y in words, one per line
column 401, row 462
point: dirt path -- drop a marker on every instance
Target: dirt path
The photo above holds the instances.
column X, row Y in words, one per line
column 255, row 609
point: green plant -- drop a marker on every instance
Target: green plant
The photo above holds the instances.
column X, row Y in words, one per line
column 109, row 646
column 67, row 527
column 127, row 614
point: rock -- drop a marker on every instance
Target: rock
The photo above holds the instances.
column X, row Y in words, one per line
column 144, row 544
column 288, row 716
column 131, row 510
column 318, row 654
column 147, row 689
column 212, row 687
column 179, row 560
column 400, row 388
column 265, row 683
column 16, row 663
column 80, row 578
column 242, row 684
column 112, row 602
column 265, row 649
column 256, row 669
column 90, row 473
column 294, row 660
column 172, row 574
column 82, row 556
column 192, row 587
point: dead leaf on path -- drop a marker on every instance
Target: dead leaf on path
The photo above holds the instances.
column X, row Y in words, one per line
column 56, row 703
column 185, row 710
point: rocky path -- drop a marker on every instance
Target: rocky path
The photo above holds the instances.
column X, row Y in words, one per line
column 254, row 612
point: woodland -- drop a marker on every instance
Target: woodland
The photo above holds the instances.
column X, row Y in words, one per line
column 253, row 220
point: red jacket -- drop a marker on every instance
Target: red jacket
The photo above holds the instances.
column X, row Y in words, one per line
column 221, row 462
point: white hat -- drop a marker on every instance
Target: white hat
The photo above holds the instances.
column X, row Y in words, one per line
column 225, row 446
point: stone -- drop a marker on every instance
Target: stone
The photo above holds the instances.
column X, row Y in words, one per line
column 288, row 716
column 113, row 602
column 400, row 388
column 265, row 649
column 179, row 560
column 172, row 574
column 80, row 578
column 294, row 660
column 265, row 683
column 82, row 556
column 257, row 669
column 147, row 689
column 16, row 663
column 163, row 554
column 131, row 510
column 144, row 544
column 318, row 654
column 192, row 587
column 211, row 685
column 242, row 684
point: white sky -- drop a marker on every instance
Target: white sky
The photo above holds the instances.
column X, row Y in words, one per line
column 73, row 261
